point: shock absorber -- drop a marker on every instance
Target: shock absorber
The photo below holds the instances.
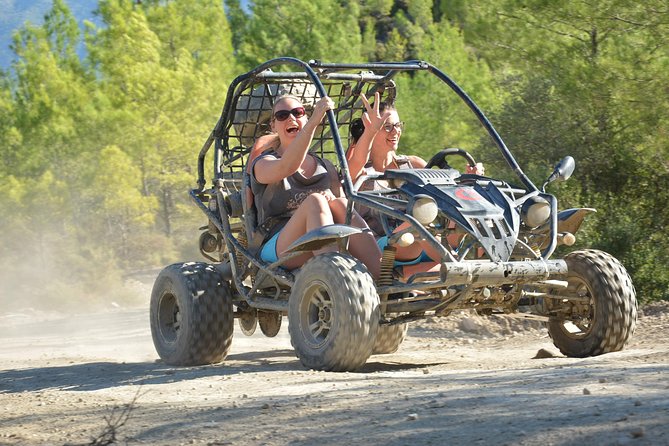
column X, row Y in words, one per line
column 241, row 238
column 386, row 275
column 387, row 263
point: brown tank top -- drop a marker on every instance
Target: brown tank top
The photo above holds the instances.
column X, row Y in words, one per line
column 276, row 202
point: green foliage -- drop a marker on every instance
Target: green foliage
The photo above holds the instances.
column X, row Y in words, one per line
column 432, row 107
column 585, row 81
column 199, row 27
column 97, row 153
column 306, row 29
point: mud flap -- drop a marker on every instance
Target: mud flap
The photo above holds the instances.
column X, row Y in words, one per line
column 321, row 237
column 570, row 220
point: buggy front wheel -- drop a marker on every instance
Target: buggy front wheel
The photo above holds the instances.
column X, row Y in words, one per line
column 333, row 313
column 603, row 317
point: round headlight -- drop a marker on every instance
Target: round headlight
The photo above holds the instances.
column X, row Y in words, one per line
column 535, row 212
column 424, row 209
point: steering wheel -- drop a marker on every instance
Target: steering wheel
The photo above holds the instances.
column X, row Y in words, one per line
column 439, row 159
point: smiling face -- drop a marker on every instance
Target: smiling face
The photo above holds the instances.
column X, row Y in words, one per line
column 289, row 127
column 388, row 141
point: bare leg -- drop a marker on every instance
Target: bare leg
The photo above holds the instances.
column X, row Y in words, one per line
column 314, row 212
column 362, row 246
column 415, row 249
column 423, row 267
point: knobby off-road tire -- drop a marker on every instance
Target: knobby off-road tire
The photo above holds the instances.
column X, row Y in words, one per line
column 333, row 313
column 191, row 315
column 389, row 338
column 611, row 311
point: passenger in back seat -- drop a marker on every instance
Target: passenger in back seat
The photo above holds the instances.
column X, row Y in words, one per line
column 375, row 141
column 296, row 191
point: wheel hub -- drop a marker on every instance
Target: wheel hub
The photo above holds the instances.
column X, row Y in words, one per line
column 580, row 314
column 317, row 315
column 324, row 314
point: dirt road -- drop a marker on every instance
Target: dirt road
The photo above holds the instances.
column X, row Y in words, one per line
column 64, row 379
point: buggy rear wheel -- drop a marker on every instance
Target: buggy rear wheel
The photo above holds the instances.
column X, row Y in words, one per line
column 389, row 338
column 605, row 319
column 191, row 315
column 333, row 313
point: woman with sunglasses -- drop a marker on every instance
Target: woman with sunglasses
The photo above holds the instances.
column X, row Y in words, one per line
column 296, row 191
column 375, row 141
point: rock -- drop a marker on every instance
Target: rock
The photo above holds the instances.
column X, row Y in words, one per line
column 469, row 325
column 543, row 354
column 637, row 432
column 586, row 391
column 412, row 417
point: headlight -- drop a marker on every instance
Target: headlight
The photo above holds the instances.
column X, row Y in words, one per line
column 535, row 212
column 423, row 208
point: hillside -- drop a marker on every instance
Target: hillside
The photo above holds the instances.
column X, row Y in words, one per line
column 17, row 13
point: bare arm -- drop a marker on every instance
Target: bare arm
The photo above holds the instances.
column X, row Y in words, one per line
column 271, row 170
column 358, row 155
column 417, row 162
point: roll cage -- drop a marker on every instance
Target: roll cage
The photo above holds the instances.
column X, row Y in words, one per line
column 246, row 114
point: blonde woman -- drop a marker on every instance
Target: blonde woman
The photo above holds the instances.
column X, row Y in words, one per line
column 296, row 191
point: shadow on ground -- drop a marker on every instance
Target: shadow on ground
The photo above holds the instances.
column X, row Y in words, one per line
column 103, row 375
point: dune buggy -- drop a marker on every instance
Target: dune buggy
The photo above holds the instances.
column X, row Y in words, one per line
column 338, row 315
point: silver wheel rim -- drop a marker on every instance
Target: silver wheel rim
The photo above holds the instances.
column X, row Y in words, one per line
column 316, row 315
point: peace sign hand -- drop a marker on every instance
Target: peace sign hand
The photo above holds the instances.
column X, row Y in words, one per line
column 372, row 118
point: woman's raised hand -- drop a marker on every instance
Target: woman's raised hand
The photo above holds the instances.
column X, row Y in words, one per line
column 372, row 118
column 322, row 106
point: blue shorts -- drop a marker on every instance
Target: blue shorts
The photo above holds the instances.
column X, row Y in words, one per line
column 268, row 252
column 423, row 257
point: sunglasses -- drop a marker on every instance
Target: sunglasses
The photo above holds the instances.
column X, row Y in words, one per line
column 397, row 126
column 282, row 115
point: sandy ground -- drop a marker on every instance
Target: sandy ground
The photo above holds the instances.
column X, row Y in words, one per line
column 94, row 379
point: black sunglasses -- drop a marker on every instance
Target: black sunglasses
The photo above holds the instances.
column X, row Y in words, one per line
column 282, row 115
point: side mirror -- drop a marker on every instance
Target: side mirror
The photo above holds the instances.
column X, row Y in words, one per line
column 562, row 171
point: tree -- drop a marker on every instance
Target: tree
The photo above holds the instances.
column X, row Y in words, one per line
column 51, row 93
column 306, row 29
column 10, row 135
column 115, row 192
column 199, row 27
column 586, row 81
column 162, row 90
column 441, row 116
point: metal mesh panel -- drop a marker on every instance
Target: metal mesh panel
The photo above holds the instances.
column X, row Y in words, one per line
column 252, row 105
